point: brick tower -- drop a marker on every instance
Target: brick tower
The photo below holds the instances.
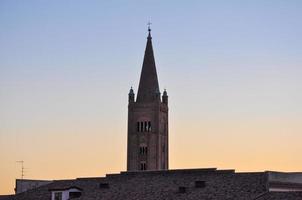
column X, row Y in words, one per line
column 147, row 147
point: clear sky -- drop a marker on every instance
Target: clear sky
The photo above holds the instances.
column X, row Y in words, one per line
column 232, row 69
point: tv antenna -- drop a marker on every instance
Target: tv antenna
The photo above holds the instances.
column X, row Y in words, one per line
column 22, row 167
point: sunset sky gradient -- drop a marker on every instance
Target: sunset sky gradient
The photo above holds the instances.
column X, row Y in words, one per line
column 232, row 69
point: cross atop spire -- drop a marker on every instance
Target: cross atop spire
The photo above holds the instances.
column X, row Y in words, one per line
column 149, row 30
column 149, row 26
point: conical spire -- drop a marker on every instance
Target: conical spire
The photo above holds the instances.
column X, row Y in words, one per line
column 148, row 90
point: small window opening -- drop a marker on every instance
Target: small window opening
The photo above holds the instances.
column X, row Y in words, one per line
column 143, row 150
column 104, row 185
column 58, row 195
column 182, row 189
column 149, row 126
column 137, row 126
column 200, row 184
column 143, row 166
column 73, row 195
column 145, row 128
column 142, row 126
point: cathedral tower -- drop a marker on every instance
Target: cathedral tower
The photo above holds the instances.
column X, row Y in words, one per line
column 147, row 147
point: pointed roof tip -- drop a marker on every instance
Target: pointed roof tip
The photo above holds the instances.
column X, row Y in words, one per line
column 149, row 34
column 165, row 92
column 131, row 91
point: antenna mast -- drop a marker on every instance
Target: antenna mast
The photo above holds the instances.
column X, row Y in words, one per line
column 22, row 167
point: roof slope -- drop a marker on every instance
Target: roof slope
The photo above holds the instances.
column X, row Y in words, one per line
column 280, row 196
column 6, row 197
column 161, row 185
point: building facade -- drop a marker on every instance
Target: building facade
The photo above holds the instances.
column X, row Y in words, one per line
column 23, row 185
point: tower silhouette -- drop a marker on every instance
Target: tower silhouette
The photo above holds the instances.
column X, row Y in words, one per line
column 147, row 145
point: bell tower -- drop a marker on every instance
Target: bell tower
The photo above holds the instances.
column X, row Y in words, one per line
column 147, row 145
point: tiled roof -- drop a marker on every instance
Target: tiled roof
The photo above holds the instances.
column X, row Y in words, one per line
column 286, row 185
column 5, row 197
column 182, row 184
column 171, row 184
column 280, row 196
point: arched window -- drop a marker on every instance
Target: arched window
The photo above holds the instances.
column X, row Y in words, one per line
column 137, row 126
column 146, row 127
column 143, row 166
column 149, row 126
column 143, row 149
column 142, row 126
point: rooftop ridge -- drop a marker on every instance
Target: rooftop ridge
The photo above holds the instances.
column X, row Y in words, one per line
column 90, row 178
column 23, row 179
column 173, row 171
